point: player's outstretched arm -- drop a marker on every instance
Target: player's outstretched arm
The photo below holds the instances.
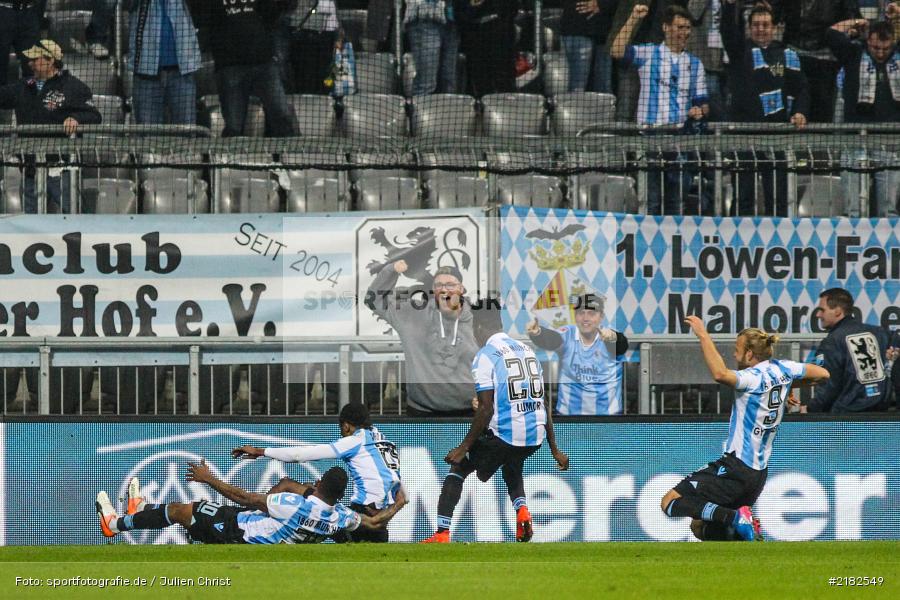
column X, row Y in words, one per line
column 201, row 473
column 289, row 454
column 714, row 361
column 814, row 375
column 482, row 418
column 562, row 460
column 381, row 518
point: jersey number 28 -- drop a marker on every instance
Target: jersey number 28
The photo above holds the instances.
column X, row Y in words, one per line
column 518, row 372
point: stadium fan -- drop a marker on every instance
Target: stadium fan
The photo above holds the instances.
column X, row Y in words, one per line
column 767, row 87
column 488, row 39
column 97, row 33
column 805, row 25
column 583, row 28
column 434, row 43
column 718, row 497
column 436, row 333
column 51, row 96
column 19, row 22
column 706, row 44
column 305, row 42
column 164, row 58
column 590, row 377
column 283, row 518
column 371, row 458
column 855, row 354
column 673, row 92
column 510, row 423
column 871, row 95
column 242, row 46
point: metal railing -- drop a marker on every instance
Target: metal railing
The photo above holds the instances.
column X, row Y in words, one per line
column 270, row 377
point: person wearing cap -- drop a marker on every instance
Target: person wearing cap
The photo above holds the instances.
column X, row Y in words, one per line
column 590, row 376
column 437, row 337
column 19, row 29
column 51, row 96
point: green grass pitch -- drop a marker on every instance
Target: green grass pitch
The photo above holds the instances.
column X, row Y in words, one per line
column 483, row 571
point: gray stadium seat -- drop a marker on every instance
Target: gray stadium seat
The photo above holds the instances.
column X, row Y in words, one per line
column 108, row 196
column 513, row 115
column 353, row 22
column 600, row 191
column 820, row 196
column 12, row 200
column 173, row 191
column 111, row 109
column 67, row 29
column 246, row 191
column 379, row 192
column 444, row 116
column 315, row 114
column 573, row 111
column 555, row 74
column 376, row 73
column 448, row 189
column 56, row 5
column 98, row 75
column 317, row 190
column 374, row 115
column 529, row 189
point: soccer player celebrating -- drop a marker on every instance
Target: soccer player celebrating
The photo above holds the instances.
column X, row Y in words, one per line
column 718, row 497
column 370, row 457
column 283, row 518
column 510, row 423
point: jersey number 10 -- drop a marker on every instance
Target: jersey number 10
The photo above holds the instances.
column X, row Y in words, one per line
column 517, row 373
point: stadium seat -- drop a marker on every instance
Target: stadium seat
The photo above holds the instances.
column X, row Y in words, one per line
column 374, row 115
column 444, row 116
column 246, row 191
column 386, row 192
column 513, row 115
column 820, row 196
column 315, row 115
column 603, row 192
column 67, row 29
column 556, row 74
column 210, row 115
column 573, row 111
column 98, row 75
column 447, row 189
column 11, row 198
column 168, row 190
column 108, row 196
column 529, row 190
column 111, row 109
column 317, row 190
column 376, row 73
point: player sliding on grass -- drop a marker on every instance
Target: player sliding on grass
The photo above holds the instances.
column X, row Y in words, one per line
column 718, row 497
column 371, row 458
column 283, row 518
column 509, row 425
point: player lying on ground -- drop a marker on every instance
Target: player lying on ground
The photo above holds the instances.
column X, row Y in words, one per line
column 509, row 425
column 370, row 457
column 718, row 497
column 260, row 519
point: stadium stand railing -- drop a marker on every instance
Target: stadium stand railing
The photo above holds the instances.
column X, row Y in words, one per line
column 260, row 377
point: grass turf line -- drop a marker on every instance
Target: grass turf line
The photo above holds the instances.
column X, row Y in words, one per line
column 626, row 570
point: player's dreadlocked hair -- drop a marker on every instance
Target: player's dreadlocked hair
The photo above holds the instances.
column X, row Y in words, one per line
column 759, row 342
column 333, row 484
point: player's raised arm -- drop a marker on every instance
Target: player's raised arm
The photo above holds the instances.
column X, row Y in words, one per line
column 812, row 375
column 714, row 361
column 201, row 473
column 293, row 454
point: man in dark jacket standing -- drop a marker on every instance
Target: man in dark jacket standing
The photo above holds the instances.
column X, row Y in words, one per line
column 854, row 353
column 241, row 35
column 50, row 97
column 767, row 86
column 805, row 25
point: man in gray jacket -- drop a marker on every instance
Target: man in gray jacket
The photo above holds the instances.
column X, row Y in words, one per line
column 436, row 332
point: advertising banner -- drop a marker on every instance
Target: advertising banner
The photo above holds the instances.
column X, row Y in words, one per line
column 847, row 488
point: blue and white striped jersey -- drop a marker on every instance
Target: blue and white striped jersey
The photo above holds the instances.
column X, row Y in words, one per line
column 293, row 519
column 513, row 372
column 670, row 83
column 589, row 377
column 758, row 408
column 374, row 466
